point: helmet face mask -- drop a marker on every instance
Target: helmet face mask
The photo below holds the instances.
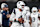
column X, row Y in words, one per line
column 20, row 4
column 34, row 11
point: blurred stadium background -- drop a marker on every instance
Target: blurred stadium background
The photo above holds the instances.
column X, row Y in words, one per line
column 12, row 3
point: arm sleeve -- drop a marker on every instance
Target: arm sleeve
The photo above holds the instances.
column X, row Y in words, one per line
column 12, row 16
column 16, row 17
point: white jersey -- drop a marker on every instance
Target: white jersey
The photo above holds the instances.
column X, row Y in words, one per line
column 34, row 17
column 0, row 18
column 26, row 15
column 15, row 14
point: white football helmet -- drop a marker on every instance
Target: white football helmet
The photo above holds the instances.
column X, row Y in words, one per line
column 34, row 10
column 20, row 4
column 27, row 8
column 2, row 5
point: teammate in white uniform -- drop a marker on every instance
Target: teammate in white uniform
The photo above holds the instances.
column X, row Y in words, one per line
column 0, row 19
column 34, row 17
column 26, row 16
column 16, row 14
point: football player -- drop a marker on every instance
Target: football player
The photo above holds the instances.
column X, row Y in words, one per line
column 16, row 16
column 34, row 17
column 26, row 16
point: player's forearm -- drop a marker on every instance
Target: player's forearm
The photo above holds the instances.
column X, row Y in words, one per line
column 8, row 15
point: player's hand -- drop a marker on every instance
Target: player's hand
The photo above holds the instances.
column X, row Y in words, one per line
column 20, row 20
column 8, row 15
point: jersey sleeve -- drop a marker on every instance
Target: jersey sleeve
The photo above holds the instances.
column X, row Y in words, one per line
column 12, row 16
